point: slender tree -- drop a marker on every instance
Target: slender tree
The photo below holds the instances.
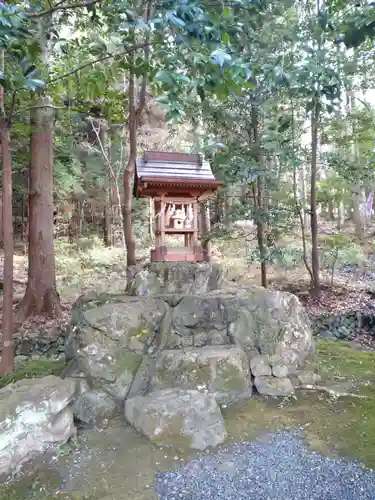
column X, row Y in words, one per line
column 7, row 355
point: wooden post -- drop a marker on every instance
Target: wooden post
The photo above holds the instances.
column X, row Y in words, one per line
column 162, row 222
column 157, row 225
column 151, row 217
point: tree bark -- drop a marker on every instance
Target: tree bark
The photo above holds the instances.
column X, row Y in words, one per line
column 303, row 196
column 341, row 215
column 205, row 229
column 357, row 198
column 41, row 296
column 134, row 116
column 129, row 175
column 300, row 207
column 313, row 208
column 261, row 231
column 258, row 194
column 7, row 354
column 104, row 145
column 357, row 216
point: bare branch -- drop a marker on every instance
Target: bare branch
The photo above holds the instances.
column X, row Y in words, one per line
column 59, row 6
column 20, row 111
column 100, row 59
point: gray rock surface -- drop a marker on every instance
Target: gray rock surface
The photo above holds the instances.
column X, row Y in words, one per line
column 183, row 277
column 34, row 414
column 94, row 407
column 273, row 386
column 308, row 378
column 260, row 366
column 180, row 418
column 223, row 371
column 280, row 371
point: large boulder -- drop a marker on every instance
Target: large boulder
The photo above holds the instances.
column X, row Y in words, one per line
column 273, row 323
column 34, row 414
column 126, row 346
column 273, row 386
column 223, row 371
column 181, row 277
column 94, row 407
column 108, row 341
column 182, row 419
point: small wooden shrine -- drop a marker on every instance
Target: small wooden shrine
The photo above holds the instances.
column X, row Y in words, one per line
column 178, row 183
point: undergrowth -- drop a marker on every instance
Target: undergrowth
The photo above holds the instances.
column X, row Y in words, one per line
column 78, row 263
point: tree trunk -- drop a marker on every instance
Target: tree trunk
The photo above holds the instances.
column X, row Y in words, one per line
column 205, row 229
column 107, row 223
column 41, row 296
column 304, row 197
column 261, row 231
column 129, row 177
column 300, row 204
column 258, row 194
column 356, row 214
column 330, row 210
column 341, row 215
column 313, row 210
column 134, row 116
column 228, row 211
column 7, row 354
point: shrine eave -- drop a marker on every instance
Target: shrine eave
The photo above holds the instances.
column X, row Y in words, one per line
column 152, row 186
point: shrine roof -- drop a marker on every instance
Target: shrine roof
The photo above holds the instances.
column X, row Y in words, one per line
column 170, row 166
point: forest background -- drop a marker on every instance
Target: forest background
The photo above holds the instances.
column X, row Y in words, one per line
column 274, row 93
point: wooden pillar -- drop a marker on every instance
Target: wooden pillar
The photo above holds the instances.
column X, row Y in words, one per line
column 195, row 225
column 157, row 224
column 162, row 222
column 152, row 214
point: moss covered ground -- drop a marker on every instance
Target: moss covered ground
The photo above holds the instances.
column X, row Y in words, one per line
column 336, row 426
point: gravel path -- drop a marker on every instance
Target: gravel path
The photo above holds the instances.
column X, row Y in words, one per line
column 276, row 468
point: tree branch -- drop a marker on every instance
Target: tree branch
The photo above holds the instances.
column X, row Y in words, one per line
column 60, row 6
column 100, row 59
column 20, row 111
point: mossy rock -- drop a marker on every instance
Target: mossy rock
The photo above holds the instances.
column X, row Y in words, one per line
column 223, row 371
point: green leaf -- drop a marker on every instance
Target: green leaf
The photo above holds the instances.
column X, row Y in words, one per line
column 34, row 84
column 220, row 57
column 141, row 24
column 30, row 71
column 173, row 114
column 163, row 99
column 165, row 77
column 175, row 21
